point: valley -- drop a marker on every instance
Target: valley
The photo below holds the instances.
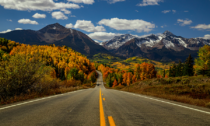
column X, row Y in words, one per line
column 70, row 60
column 104, row 63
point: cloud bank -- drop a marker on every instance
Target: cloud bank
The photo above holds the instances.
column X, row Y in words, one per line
column 124, row 24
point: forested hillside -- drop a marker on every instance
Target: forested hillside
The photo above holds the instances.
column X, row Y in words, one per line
column 186, row 82
column 32, row 68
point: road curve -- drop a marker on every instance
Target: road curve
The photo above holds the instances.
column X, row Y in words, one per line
column 81, row 108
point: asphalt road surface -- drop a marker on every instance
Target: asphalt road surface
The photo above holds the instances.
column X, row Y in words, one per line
column 100, row 106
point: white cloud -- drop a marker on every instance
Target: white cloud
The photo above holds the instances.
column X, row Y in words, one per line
column 149, row 2
column 88, row 26
column 70, row 25
column 166, row 11
column 174, row 11
column 102, row 36
column 37, row 15
column 82, row 1
column 66, row 11
column 124, row 24
column 137, row 11
column 206, row 36
column 9, row 20
column 18, row 29
column 114, row 1
column 59, row 15
column 184, row 22
column 27, row 21
column 32, row 5
column 202, row 27
column 8, row 30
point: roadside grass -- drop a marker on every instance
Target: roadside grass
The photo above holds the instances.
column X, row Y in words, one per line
column 47, row 89
column 191, row 90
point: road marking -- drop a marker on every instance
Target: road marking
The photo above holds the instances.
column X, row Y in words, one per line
column 168, row 103
column 36, row 100
column 102, row 94
column 102, row 118
column 111, row 121
column 104, row 99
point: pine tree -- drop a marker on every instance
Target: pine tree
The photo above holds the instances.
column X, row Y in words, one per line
column 164, row 73
column 179, row 70
column 173, row 70
column 170, row 73
column 188, row 67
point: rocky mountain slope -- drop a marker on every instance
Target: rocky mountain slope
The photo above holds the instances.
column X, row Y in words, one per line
column 168, row 39
column 58, row 35
column 163, row 47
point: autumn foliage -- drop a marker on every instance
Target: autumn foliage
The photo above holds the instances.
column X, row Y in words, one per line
column 114, row 77
column 39, row 68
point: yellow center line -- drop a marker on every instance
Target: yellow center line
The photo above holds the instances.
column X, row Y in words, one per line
column 111, row 121
column 102, row 118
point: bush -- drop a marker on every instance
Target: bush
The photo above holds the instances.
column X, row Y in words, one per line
column 18, row 75
column 208, row 105
column 185, row 81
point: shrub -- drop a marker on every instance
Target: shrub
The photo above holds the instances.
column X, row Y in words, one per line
column 208, row 105
column 18, row 75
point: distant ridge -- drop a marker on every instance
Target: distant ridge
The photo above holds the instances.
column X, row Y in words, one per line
column 163, row 47
column 58, row 35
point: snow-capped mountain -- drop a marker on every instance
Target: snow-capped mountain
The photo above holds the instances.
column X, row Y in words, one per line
column 163, row 47
column 117, row 41
column 168, row 39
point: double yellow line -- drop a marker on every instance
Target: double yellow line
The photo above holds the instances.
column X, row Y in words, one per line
column 102, row 118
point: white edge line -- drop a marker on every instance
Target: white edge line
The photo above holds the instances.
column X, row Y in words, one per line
column 167, row 102
column 37, row 100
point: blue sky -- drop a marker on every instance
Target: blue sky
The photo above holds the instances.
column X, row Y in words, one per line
column 103, row 19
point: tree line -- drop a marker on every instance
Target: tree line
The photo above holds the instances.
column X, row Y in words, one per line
column 22, row 67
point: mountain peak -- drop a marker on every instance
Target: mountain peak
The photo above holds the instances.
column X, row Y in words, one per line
column 168, row 33
column 55, row 26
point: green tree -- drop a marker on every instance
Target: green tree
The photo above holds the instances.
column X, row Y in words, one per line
column 73, row 74
column 173, row 70
column 170, row 72
column 188, row 67
column 179, row 69
column 109, row 80
column 164, row 73
column 202, row 63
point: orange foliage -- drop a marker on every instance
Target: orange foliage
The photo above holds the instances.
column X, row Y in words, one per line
column 114, row 83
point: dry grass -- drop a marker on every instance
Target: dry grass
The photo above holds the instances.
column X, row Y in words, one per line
column 191, row 90
column 33, row 95
column 47, row 87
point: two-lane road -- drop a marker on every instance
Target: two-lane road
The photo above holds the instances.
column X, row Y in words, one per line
column 82, row 108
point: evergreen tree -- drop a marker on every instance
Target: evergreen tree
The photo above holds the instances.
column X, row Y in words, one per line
column 179, row 69
column 164, row 73
column 170, row 72
column 188, row 67
column 173, row 70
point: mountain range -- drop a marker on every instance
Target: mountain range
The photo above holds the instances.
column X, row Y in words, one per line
column 162, row 47
column 58, row 35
